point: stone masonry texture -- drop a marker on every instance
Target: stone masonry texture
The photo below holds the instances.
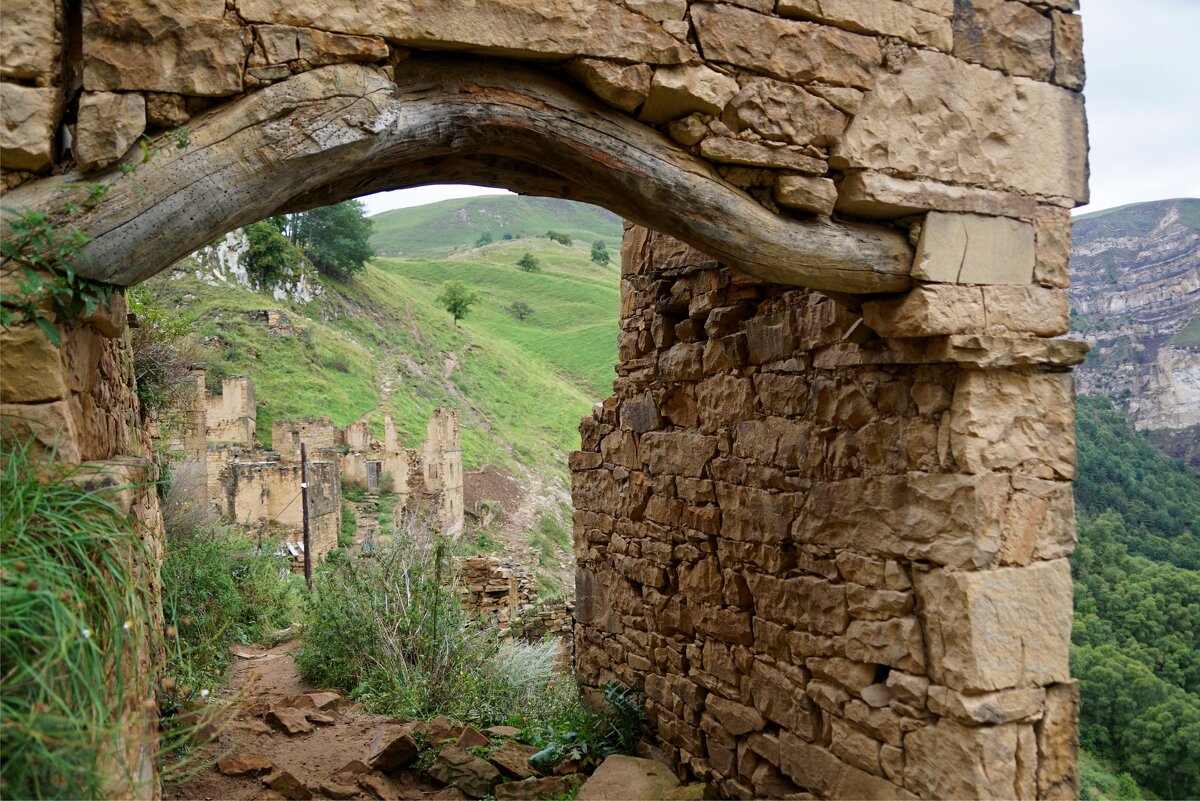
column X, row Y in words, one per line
column 842, row 576
column 825, row 535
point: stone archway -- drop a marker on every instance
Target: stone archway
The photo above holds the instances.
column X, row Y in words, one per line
column 828, row 539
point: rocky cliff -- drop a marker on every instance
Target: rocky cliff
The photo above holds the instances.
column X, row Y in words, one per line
column 1135, row 296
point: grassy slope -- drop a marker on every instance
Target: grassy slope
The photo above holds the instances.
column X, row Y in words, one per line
column 520, row 386
column 440, row 228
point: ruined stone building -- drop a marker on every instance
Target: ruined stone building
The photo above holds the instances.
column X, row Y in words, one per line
column 256, row 487
column 825, row 518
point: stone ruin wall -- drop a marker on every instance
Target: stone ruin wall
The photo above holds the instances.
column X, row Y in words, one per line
column 791, row 512
column 504, row 593
column 835, row 562
column 807, row 104
column 266, row 493
column 231, row 416
column 79, row 402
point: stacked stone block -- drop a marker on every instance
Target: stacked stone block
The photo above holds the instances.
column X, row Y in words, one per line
column 784, row 99
column 835, row 562
column 504, row 594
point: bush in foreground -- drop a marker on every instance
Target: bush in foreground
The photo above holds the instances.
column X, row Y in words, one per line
column 389, row 628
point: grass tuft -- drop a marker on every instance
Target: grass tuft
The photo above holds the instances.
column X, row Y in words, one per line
column 75, row 615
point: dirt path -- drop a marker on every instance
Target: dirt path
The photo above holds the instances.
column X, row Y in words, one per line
column 339, row 733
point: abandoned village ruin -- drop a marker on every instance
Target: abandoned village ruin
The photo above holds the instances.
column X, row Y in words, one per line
column 824, row 519
column 253, row 487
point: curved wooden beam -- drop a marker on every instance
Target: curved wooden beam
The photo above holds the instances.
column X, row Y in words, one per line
column 341, row 131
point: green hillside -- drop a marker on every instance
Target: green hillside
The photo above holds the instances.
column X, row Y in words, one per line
column 1135, row 219
column 442, row 228
column 380, row 343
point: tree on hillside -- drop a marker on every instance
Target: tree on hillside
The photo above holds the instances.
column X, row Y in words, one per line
column 520, row 309
column 600, row 252
column 457, row 299
column 270, row 255
column 529, row 263
column 336, row 239
column 484, row 239
column 559, row 237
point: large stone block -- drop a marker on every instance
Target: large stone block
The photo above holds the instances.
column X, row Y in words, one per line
column 876, row 195
column 51, row 427
column 107, row 126
column 779, row 699
column 31, row 369
column 786, row 49
column 32, row 45
column 947, row 309
column 944, row 119
column 724, row 150
column 535, row 29
column 1069, row 69
column 974, row 249
column 952, row 520
column 1014, row 421
column 1058, row 743
column 1053, row 228
column 821, row 772
column 624, row 86
column 162, row 46
column 951, row 760
column 1003, row 706
column 677, row 453
column 784, row 112
column 30, row 116
column 996, row 629
column 896, row 642
column 1004, row 34
column 678, row 91
column 883, row 17
column 806, row 193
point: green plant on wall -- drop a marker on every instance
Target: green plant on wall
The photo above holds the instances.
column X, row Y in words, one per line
column 39, row 252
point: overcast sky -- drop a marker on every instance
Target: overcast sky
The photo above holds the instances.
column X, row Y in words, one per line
column 1143, row 102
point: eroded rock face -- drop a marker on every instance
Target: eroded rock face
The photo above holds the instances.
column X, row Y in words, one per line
column 1136, row 276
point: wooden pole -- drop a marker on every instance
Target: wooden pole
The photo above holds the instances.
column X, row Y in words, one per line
column 304, row 503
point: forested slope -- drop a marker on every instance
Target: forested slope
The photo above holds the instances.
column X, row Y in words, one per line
column 1137, row 619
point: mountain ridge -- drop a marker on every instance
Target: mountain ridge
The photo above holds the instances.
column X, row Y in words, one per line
column 447, row 226
column 1135, row 297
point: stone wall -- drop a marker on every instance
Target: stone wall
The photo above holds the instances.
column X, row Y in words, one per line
column 79, row 402
column 504, row 594
column 875, row 109
column 835, row 562
column 267, row 493
column 231, row 416
column 317, row 433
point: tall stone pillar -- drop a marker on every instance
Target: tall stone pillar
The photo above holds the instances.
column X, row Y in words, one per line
column 830, row 544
